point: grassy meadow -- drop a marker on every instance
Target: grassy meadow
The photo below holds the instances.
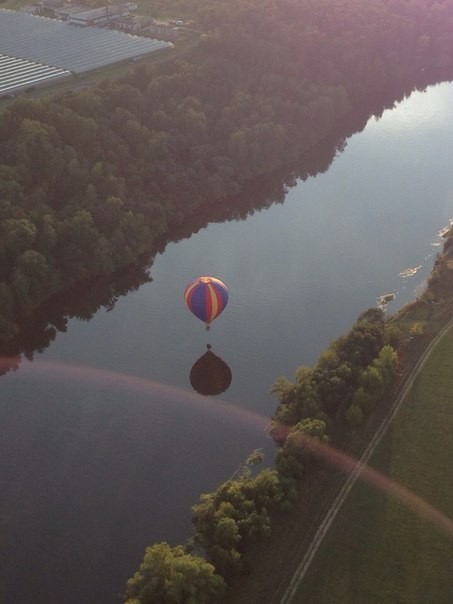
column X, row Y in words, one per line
column 379, row 550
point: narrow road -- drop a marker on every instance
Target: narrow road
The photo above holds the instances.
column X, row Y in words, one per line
column 355, row 473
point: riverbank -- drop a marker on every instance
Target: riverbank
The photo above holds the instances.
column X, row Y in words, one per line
column 275, row 564
column 416, row 454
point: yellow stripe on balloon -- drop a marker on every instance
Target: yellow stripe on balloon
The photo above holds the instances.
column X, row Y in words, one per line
column 214, row 302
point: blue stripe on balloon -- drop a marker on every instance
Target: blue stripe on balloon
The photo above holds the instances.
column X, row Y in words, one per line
column 197, row 301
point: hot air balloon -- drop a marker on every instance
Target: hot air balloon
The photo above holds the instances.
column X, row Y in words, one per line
column 206, row 298
column 210, row 375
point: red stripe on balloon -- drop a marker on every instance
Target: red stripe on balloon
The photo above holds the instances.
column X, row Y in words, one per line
column 209, row 309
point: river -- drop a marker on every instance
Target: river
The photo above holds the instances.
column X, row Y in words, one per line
column 105, row 442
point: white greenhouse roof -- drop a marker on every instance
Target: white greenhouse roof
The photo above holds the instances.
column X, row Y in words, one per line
column 16, row 74
column 62, row 46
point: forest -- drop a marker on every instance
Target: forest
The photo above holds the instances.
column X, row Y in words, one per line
column 92, row 179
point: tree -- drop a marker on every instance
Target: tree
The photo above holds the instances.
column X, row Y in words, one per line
column 372, row 315
column 227, row 533
column 288, row 466
column 283, row 389
column 172, row 576
column 354, row 415
column 236, row 514
column 372, row 381
column 416, row 329
column 32, row 280
column 305, row 435
column 18, row 235
column 7, row 326
column 387, row 364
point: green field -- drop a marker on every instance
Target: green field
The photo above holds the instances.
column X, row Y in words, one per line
column 379, row 549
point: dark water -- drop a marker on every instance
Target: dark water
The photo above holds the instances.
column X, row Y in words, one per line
column 106, row 445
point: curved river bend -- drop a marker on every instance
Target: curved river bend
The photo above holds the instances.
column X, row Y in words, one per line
column 105, row 444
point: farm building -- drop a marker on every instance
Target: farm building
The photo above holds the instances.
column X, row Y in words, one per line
column 98, row 16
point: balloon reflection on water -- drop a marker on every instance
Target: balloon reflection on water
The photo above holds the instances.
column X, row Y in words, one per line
column 210, row 375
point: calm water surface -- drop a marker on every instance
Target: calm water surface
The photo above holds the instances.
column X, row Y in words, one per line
column 105, row 443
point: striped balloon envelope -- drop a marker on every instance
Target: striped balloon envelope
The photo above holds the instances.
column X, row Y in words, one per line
column 206, row 298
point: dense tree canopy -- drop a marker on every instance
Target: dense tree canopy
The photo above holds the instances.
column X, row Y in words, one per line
column 171, row 576
column 238, row 513
column 345, row 384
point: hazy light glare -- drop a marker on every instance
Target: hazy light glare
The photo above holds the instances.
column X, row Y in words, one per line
column 334, row 457
column 130, row 383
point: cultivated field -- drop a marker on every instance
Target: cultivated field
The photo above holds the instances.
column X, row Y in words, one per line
column 383, row 549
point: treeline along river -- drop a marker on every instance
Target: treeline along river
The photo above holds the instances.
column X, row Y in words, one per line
column 105, row 442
